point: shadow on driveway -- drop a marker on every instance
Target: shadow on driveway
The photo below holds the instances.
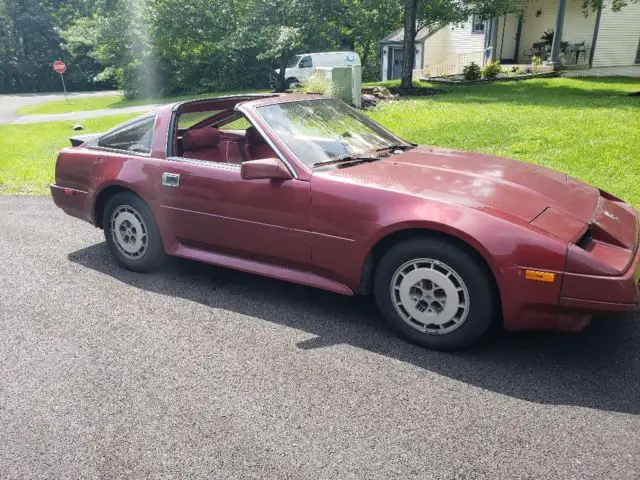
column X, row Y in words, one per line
column 598, row 368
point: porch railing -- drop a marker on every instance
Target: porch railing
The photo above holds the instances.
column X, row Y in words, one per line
column 478, row 57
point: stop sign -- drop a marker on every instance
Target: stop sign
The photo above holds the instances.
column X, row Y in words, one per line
column 59, row 66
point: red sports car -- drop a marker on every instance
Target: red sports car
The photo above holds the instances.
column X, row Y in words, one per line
column 306, row 189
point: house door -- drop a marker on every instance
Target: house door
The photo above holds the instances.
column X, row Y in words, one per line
column 507, row 38
column 396, row 68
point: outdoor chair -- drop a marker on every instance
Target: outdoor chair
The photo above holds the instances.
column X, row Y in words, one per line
column 574, row 51
column 536, row 50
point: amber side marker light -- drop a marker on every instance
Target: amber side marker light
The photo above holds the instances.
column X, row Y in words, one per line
column 538, row 276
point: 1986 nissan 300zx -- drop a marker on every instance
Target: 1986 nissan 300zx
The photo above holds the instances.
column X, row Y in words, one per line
column 306, row 189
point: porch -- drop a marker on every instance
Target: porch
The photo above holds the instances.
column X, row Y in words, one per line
column 518, row 37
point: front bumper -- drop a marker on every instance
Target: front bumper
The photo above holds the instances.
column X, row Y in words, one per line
column 584, row 296
column 609, row 293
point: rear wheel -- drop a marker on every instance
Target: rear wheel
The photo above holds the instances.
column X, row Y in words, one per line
column 132, row 234
column 434, row 293
column 291, row 83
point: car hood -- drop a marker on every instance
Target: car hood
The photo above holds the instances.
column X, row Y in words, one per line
column 486, row 182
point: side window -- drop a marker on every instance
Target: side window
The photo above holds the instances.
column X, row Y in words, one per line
column 239, row 123
column 306, row 62
column 135, row 137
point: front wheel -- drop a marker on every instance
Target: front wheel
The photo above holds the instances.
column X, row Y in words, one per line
column 132, row 234
column 291, row 83
column 434, row 293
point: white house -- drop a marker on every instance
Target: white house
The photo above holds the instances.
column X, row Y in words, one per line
column 599, row 39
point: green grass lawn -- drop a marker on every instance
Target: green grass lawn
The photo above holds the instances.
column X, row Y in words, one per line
column 28, row 152
column 588, row 128
column 74, row 105
column 104, row 102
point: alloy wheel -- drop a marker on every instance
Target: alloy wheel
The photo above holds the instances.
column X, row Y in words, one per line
column 129, row 232
column 430, row 296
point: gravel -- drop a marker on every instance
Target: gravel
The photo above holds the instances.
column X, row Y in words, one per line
column 201, row 372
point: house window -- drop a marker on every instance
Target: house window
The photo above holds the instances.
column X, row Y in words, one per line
column 477, row 23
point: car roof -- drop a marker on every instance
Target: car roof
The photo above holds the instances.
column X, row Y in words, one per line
column 242, row 96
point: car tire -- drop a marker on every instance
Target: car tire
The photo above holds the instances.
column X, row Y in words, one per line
column 435, row 293
column 291, row 82
column 132, row 233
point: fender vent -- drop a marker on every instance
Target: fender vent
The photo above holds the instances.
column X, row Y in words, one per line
column 586, row 239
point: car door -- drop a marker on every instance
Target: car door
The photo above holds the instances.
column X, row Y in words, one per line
column 305, row 67
column 207, row 205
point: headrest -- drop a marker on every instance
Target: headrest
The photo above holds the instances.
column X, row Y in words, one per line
column 253, row 136
column 200, row 138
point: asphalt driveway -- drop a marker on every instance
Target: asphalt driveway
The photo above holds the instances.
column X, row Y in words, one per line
column 10, row 104
column 199, row 372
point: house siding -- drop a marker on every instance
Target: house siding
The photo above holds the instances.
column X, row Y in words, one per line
column 577, row 27
column 443, row 47
column 618, row 38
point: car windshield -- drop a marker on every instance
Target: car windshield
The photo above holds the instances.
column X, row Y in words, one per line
column 321, row 131
column 293, row 61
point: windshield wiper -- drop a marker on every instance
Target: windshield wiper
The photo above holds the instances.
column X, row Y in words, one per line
column 393, row 146
column 347, row 159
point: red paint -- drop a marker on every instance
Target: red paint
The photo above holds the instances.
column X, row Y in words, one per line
column 320, row 227
column 59, row 66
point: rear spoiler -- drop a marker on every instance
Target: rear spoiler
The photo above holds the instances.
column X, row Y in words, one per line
column 78, row 140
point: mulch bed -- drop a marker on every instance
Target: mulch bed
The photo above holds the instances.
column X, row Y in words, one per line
column 457, row 81
column 413, row 92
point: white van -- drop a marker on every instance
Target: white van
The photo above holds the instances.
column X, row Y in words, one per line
column 303, row 66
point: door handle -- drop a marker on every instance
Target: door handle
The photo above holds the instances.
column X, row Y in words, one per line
column 170, row 179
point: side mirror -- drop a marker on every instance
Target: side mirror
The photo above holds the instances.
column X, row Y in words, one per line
column 267, row 168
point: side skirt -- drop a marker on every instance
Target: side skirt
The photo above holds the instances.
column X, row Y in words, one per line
column 259, row 268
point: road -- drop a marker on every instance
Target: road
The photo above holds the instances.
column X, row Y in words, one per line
column 200, row 372
column 10, row 104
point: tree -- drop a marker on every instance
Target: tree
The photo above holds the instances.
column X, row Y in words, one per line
column 589, row 6
column 279, row 29
column 29, row 45
column 357, row 25
column 285, row 42
column 435, row 14
column 30, row 41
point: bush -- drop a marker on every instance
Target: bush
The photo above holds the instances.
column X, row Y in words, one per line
column 536, row 63
column 317, row 84
column 491, row 70
column 471, row 71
